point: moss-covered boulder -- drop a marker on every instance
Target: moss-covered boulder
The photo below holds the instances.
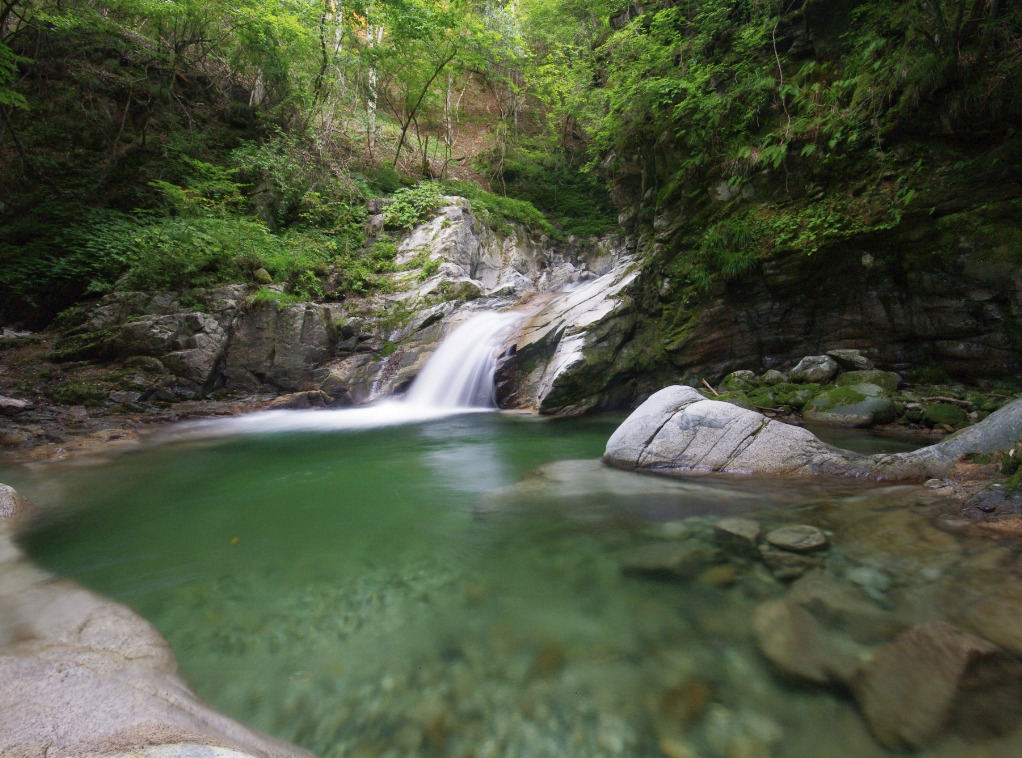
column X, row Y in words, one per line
column 856, row 405
column 945, row 415
column 889, row 380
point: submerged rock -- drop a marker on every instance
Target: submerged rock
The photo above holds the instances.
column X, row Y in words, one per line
column 937, row 678
column 800, row 538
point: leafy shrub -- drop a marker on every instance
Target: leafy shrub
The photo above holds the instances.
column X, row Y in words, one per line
column 413, row 205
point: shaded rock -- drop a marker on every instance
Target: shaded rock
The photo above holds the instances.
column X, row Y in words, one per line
column 937, row 678
column 301, row 401
column 800, row 538
column 997, row 498
column 738, row 381
column 888, row 380
column 738, row 535
column 851, row 360
column 855, row 405
column 667, row 559
column 278, row 347
column 818, row 369
column 785, row 565
column 945, row 415
column 774, row 377
column 10, row 406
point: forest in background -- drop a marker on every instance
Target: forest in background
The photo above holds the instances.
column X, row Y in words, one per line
column 176, row 144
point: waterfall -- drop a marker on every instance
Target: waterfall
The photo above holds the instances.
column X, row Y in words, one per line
column 457, row 378
column 460, row 373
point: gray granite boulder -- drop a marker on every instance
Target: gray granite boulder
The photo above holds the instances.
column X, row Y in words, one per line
column 677, row 430
column 851, row 360
column 818, row 369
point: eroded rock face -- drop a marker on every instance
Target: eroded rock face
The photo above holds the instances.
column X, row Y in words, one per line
column 678, row 430
column 572, row 346
column 82, row 675
column 277, row 347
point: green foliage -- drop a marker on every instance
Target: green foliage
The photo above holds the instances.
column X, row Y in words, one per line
column 575, row 200
column 731, row 248
column 499, row 209
column 366, row 271
column 411, row 206
column 9, row 63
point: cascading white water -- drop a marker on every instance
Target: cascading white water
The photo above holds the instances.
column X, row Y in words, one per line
column 460, row 373
column 458, row 377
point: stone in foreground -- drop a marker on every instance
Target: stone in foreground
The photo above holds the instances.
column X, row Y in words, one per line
column 937, row 678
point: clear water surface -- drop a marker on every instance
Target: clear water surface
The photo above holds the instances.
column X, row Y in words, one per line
column 403, row 591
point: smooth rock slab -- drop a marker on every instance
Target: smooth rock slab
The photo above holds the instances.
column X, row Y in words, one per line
column 677, row 430
column 800, row 538
column 937, row 678
column 81, row 676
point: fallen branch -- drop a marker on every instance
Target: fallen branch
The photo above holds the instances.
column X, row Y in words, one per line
column 716, row 394
column 941, row 399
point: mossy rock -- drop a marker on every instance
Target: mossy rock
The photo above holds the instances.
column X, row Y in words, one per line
column 856, row 405
column 737, row 398
column 945, row 415
column 794, row 395
column 886, row 379
column 738, row 381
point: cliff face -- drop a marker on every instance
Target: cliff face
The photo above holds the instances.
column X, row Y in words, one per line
column 927, row 278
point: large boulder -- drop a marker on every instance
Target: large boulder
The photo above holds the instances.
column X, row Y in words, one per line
column 815, row 369
column 678, row 430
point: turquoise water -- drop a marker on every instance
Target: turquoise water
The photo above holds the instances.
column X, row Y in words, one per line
column 424, row 590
